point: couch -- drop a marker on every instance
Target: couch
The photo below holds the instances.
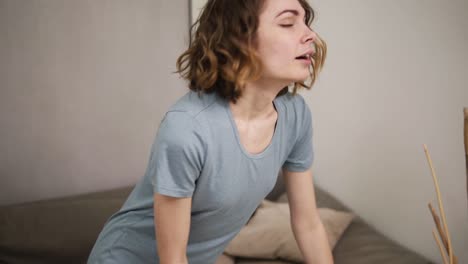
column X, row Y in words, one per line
column 63, row 230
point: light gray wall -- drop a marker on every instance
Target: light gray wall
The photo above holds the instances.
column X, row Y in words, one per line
column 84, row 85
column 396, row 78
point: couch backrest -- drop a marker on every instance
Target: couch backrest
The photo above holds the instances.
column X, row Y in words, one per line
column 64, row 230
column 61, row 230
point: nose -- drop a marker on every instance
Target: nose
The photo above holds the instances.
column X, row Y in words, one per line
column 309, row 36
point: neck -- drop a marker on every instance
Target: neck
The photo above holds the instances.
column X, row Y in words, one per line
column 256, row 101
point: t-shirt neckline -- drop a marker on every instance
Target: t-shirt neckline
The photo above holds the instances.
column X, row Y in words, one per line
column 237, row 136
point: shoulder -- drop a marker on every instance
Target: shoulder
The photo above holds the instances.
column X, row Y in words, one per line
column 193, row 103
column 181, row 125
column 295, row 107
column 179, row 137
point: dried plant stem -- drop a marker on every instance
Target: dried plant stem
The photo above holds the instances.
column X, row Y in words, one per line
column 465, row 132
column 444, row 258
column 439, row 227
column 441, row 207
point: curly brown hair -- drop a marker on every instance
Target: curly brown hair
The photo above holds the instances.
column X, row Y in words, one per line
column 221, row 56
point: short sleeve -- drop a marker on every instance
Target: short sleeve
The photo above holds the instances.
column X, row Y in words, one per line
column 301, row 155
column 177, row 155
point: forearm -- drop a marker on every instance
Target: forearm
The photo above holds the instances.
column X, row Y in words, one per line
column 174, row 262
column 313, row 243
column 169, row 253
column 168, row 257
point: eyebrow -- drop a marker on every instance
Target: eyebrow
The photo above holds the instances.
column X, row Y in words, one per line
column 293, row 11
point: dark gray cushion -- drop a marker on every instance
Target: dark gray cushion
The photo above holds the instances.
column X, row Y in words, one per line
column 62, row 230
column 59, row 230
column 361, row 243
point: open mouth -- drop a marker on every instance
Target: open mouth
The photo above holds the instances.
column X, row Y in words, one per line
column 304, row 57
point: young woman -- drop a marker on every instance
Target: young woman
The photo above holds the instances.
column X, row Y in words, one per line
column 219, row 148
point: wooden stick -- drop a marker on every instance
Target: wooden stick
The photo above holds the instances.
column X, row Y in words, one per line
column 441, row 206
column 444, row 258
column 439, row 227
column 465, row 113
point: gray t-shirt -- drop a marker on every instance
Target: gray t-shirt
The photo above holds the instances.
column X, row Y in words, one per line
column 197, row 152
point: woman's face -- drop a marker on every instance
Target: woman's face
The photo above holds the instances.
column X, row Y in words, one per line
column 282, row 36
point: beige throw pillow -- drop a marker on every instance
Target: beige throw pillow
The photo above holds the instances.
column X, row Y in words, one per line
column 268, row 233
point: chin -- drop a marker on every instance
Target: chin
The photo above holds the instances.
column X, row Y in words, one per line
column 291, row 78
column 301, row 78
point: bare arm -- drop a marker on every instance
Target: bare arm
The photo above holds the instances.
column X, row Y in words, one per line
column 306, row 223
column 172, row 224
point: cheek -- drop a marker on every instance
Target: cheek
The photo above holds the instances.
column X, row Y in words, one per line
column 278, row 53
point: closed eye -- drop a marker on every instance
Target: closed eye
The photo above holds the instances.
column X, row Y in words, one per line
column 289, row 25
